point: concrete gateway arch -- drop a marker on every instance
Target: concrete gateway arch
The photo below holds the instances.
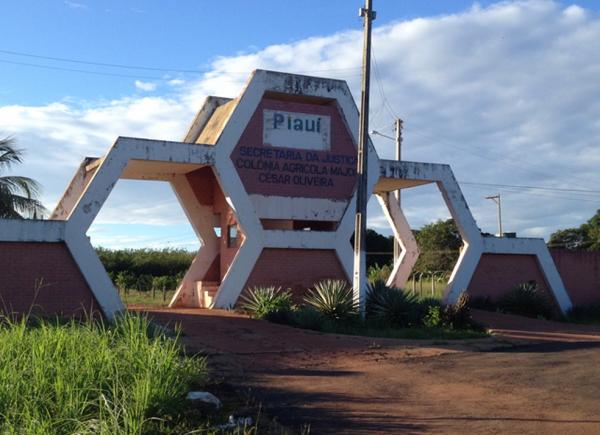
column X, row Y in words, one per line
column 267, row 180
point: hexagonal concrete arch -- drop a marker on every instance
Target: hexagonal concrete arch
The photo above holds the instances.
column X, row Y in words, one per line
column 274, row 171
column 400, row 175
column 276, row 191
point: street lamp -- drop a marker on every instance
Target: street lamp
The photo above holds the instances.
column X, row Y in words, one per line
column 496, row 199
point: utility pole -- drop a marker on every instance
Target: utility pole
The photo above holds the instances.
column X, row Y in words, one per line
column 496, row 199
column 398, row 192
column 360, row 222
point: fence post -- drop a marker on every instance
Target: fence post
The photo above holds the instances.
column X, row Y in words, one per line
column 164, row 293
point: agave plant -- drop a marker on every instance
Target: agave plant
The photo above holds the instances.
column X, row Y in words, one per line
column 392, row 306
column 268, row 303
column 528, row 299
column 332, row 298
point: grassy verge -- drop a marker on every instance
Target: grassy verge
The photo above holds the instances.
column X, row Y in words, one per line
column 147, row 298
column 413, row 333
column 374, row 329
column 90, row 378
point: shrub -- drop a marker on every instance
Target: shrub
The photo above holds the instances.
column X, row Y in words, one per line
column 527, row 300
column 458, row 315
column 333, row 299
column 392, row 306
column 433, row 318
column 268, row 303
column 483, row 303
column 144, row 283
column 584, row 314
column 379, row 273
column 308, row 318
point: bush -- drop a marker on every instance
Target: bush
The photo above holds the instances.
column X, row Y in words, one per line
column 379, row 273
column 527, row 300
column 433, row 318
column 333, row 299
column 483, row 303
column 584, row 314
column 458, row 315
column 144, row 283
column 268, row 303
column 308, row 318
column 391, row 306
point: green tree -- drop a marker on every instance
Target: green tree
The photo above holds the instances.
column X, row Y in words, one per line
column 125, row 281
column 18, row 195
column 592, row 228
column 584, row 238
column 574, row 239
column 439, row 243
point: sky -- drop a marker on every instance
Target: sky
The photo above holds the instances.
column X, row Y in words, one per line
column 507, row 93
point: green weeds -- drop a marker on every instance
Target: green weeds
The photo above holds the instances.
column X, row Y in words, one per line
column 73, row 377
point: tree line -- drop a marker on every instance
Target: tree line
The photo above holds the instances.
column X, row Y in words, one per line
column 585, row 237
column 146, row 269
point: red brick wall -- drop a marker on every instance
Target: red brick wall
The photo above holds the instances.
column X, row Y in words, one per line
column 342, row 144
column 63, row 291
column 203, row 184
column 580, row 272
column 297, row 269
column 496, row 274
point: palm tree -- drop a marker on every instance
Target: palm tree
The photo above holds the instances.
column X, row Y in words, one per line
column 18, row 195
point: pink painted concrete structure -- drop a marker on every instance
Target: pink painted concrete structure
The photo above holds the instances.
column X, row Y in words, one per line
column 267, row 181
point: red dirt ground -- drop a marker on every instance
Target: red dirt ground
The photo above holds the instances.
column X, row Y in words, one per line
column 532, row 376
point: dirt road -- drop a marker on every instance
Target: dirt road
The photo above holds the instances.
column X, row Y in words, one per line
column 539, row 377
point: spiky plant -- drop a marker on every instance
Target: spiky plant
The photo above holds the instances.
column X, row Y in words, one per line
column 392, row 306
column 18, row 195
column 528, row 299
column 332, row 298
column 458, row 315
column 267, row 302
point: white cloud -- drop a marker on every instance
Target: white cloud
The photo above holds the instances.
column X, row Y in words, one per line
column 145, row 86
column 75, row 5
column 506, row 94
column 176, row 82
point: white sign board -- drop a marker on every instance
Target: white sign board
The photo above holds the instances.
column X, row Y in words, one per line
column 296, row 130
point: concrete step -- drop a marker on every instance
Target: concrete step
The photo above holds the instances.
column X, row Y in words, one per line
column 206, row 291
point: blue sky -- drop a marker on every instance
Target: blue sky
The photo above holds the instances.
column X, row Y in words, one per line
column 183, row 35
column 507, row 93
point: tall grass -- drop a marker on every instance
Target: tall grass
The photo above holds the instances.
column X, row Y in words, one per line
column 88, row 377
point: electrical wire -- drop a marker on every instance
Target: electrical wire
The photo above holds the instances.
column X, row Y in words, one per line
column 132, row 67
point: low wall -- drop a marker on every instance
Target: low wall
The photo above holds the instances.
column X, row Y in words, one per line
column 580, row 272
column 43, row 276
column 295, row 269
column 496, row 274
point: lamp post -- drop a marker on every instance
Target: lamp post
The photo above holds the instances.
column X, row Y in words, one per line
column 497, row 200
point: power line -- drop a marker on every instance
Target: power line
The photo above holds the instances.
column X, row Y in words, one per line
column 100, row 73
column 136, row 67
column 553, row 189
column 110, row 65
column 496, row 160
column 544, row 194
column 384, row 98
